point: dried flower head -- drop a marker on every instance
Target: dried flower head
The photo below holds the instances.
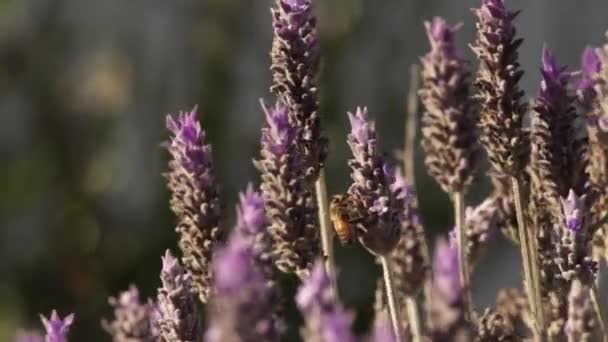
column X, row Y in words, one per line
column 380, row 208
column 581, row 324
column 502, row 108
column 179, row 318
column 325, row 319
column 290, row 205
column 194, row 197
column 295, row 63
column 445, row 308
column 134, row 321
column 57, row 329
column 241, row 308
column 448, row 124
column 477, row 226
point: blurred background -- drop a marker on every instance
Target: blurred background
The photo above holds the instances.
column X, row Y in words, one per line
column 84, row 89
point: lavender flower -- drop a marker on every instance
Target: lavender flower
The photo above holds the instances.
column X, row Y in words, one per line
column 448, row 124
column 497, row 81
column 57, row 329
column 446, row 310
column 194, row 197
column 477, row 229
column 290, row 205
column 134, row 321
column 28, row 336
column 241, row 308
column 326, row 320
column 410, row 257
column 383, row 329
column 380, row 207
column 295, row 62
column 179, row 319
column 591, row 65
column 573, row 207
column 581, row 324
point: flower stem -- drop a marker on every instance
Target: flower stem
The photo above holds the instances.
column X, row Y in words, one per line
column 462, row 256
column 390, row 296
column 326, row 231
column 413, row 318
column 601, row 315
column 531, row 272
column 411, row 126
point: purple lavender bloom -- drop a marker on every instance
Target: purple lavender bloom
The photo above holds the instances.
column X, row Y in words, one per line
column 445, row 309
column 194, row 197
column 295, row 63
column 446, row 279
column 134, row 321
column 177, row 305
column 251, row 219
column 290, row 204
column 590, row 68
column 382, row 208
column 56, row 328
column 326, row 320
column 28, row 336
column 448, row 124
column 477, row 226
column 242, row 307
column 573, row 207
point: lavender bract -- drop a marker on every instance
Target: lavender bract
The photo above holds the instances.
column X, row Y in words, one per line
column 290, row 205
column 295, row 62
column 502, row 109
column 241, row 308
column 194, row 197
column 57, row 329
column 325, row 319
column 448, row 123
column 134, row 321
column 179, row 318
column 477, row 229
column 380, row 207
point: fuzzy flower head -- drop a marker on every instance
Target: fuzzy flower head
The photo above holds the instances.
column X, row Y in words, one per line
column 187, row 145
column 56, row 328
column 278, row 136
column 446, row 278
column 590, row 68
column 297, row 5
column 325, row 319
column 250, row 213
column 441, row 36
column 573, row 208
column 234, row 268
column 133, row 320
column 555, row 78
column 362, row 131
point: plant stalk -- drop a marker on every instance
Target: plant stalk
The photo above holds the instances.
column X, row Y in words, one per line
column 411, row 126
column 327, row 233
column 530, row 267
column 463, row 265
column 413, row 318
column 601, row 315
column 390, row 297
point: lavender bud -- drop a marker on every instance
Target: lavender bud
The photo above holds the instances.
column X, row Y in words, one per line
column 290, row 205
column 573, row 207
column 446, row 310
column 134, row 321
column 28, row 336
column 194, row 197
column 295, row 62
column 57, row 329
column 502, row 109
column 241, row 308
column 581, row 323
column 179, row 317
column 325, row 319
column 448, row 124
column 409, row 259
column 380, row 207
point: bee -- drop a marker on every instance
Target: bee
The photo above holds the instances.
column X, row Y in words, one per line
column 344, row 214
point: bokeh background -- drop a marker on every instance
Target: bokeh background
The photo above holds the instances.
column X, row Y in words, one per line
column 84, row 89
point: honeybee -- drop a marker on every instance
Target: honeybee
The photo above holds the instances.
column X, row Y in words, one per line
column 344, row 214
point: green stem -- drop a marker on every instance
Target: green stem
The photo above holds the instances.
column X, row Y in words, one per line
column 390, row 296
column 413, row 318
column 463, row 264
column 326, row 231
